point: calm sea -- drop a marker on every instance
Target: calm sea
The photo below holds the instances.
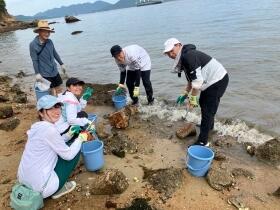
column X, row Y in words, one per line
column 242, row 35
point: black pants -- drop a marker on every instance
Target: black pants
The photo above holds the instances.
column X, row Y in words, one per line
column 130, row 83
column 209, row 102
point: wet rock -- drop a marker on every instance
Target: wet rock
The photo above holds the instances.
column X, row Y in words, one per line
column 250, row 148
column 242, row 172
column 103, row 130
column 119, row 153
column 109, row 182
column 4, row 98
column 10, row 124
column 6, row 112
column 219, row 156
column 165, row 181
column 110, row 204
column 131, row 110
column 119, row 119
column 71, row 19
column 219, row 179
column 224, row 141
column 16, row 89
column 21, row 74
column 236, row 201
column 5, row 79
column 277, row 193
column 138, row 204
column 76, row 32
column 101, row 95
column 187, row 130
column 21, row 98
column 269, row 152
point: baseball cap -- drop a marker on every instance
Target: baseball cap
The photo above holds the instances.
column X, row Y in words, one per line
column 115, row 50
column 74, row 81
column 169, row 44
column 47, row 102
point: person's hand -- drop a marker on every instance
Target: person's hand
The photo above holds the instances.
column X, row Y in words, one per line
column 39, row 77
column 120, row 89
column 91, row 129
column 87, row 94
column 63, row 68
column 193, row 102
column 136, row 92
column 74, row 129
column 181, row 99
column 83, row 136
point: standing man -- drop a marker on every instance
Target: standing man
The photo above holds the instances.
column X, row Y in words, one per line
column 138, row 64
column 204, row 74
column 43, row 55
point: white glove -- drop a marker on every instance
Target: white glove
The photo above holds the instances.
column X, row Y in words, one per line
column 39, row 78
column 63, row 68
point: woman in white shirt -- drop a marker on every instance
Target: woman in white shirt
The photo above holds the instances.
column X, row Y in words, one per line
column 47, row 161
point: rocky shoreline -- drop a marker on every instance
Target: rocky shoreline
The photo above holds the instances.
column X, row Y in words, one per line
column 145, row 161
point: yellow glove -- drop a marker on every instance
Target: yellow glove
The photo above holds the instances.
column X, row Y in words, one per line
column 83, row 136
column 136, row 92
column 193, row 101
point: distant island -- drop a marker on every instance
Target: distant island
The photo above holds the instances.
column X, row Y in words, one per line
column 77, row 9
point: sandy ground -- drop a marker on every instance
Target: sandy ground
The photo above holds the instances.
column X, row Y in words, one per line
column 156, row 149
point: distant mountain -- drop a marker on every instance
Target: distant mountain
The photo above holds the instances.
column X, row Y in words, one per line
column 77, row 9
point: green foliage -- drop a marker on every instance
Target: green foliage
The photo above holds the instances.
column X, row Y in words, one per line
column 2, row 6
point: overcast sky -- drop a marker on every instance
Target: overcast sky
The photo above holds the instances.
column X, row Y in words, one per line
column 31, row 7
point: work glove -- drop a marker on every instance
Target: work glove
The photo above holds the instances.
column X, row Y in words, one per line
column 181, row 99
column 136, row 92
column 63, row 68
column 193, row 101
column 91, row 129
column 87, row 94
column 39, row 78
column 120, row 89
column 83, row 136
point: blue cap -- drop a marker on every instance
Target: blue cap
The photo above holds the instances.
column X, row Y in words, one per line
column 47, row 102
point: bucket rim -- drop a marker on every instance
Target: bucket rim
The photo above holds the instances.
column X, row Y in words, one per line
column 201, row 158
column 92, row 151
column 120, row 100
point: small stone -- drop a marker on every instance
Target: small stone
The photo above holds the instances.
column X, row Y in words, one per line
column 135, row 179
column 6, row 112
column 110, row 204
column 9, row 124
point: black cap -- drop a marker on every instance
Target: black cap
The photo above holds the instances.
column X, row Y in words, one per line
column 74, row 81
column 115, row 50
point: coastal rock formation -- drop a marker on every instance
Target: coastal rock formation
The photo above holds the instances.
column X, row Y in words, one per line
column 219, row 179
column 9, row 124
column 71, row 19
column 269, row 152
column 119, row 119
column 6, row 112
column 187, row 130
column 76, row 32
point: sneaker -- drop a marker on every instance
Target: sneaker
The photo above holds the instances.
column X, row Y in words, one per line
column 67, row 188
column 202, row 143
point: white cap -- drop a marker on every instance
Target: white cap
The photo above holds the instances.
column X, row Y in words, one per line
column 169, row 44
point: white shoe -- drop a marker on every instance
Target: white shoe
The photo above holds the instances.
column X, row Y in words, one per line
column 67, row 188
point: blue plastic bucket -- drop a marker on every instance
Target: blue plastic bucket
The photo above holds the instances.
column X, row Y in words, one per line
column 92, row 152
column 39, row 93
column 199, row 156
column 119, row 101
column 92, row 117
column 200, row 171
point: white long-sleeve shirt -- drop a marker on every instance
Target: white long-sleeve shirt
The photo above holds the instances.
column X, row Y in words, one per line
column 40, row 155
column 69, row 111
column 136, row 58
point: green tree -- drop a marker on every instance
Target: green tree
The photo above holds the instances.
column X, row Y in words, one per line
column 2, row 6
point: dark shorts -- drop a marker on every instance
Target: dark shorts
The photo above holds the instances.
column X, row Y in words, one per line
column 55, row 81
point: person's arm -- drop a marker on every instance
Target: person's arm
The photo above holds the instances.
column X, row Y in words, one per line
column 34, row 58
column 122, row 77
column 56, row 56
column 138, row 76
column 71, row 115
column 56, row 142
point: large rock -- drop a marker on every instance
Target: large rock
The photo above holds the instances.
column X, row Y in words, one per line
column 119, row 119
column 138, row 204
column 21, row 98
column 103, row 130
column 9, row 124
column 187, row 130
column 109, row 182
column 71, row 19
column 4, row 98
column 269, row 152
column 219, row 179
column 277, row 193
column 6, row 112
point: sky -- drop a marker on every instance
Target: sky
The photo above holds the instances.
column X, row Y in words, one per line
column 31, row 7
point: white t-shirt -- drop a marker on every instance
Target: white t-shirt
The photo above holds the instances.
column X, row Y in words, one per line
column 40, row 155
column 136, row 58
